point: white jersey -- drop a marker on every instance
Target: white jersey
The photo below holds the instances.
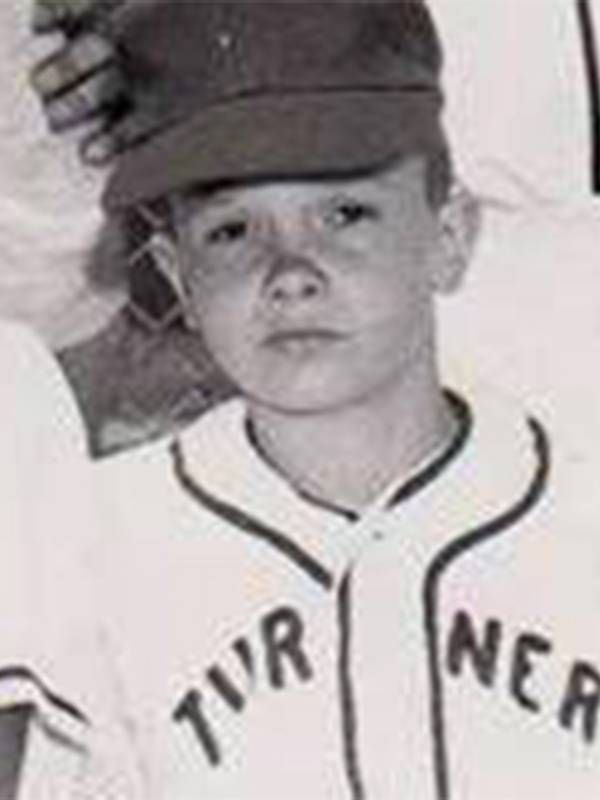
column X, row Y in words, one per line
column 256, row 645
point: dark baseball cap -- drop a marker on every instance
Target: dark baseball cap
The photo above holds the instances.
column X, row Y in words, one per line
column 234, row 91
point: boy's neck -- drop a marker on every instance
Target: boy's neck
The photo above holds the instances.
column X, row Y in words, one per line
column 347, row 458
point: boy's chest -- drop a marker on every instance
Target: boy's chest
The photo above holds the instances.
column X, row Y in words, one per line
column 226, row 661
column 241, row 672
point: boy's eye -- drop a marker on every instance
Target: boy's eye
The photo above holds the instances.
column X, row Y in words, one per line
column 227, row 232
column 350, row 212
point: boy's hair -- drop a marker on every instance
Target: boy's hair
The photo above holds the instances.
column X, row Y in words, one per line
column 439, row 176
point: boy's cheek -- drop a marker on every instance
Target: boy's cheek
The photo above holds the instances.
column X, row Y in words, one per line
column 199, row 304
column 221, row 314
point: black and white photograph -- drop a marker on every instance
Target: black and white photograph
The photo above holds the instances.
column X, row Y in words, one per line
column 300, row 437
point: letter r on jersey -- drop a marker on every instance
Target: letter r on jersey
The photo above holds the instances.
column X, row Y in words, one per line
column 282, row 632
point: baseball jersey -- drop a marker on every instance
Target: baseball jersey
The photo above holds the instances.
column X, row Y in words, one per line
column 251, row 643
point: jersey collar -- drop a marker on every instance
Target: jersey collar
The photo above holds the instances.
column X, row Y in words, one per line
column 481, row 473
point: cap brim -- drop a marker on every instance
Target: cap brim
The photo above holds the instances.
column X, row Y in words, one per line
column 269, row 136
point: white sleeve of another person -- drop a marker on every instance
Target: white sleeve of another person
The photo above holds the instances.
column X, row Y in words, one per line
column 50, row 650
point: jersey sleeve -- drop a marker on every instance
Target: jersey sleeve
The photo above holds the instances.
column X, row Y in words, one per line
column 48, row 646
column 52, row 653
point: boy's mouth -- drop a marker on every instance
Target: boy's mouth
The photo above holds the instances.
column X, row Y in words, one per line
column 301, row 340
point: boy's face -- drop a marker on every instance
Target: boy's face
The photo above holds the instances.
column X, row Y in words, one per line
column 314, row 295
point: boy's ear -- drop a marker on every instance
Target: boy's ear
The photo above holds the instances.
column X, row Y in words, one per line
column 459, row 221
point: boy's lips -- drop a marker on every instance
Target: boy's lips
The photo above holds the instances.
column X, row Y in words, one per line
column 297, row 339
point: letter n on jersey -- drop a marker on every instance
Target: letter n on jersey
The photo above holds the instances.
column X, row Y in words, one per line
column 479, row 648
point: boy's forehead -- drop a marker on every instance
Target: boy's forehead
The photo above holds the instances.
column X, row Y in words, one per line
column 395, row 176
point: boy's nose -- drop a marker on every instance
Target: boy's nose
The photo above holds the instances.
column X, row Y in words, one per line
column 294, row 279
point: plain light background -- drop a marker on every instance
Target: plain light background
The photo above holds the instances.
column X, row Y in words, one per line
column 517, row 102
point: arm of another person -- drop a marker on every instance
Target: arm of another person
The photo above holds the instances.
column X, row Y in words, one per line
column 39, row 428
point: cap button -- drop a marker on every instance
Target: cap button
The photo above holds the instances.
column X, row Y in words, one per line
column 225, row 40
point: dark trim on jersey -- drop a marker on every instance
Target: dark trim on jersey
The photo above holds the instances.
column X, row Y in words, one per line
column 592, row 70
column 462, row 413
column 437, row 568
column 248, row 523
column 351, row 516
column 464, row 418
column 347, row 705
column 22, row 673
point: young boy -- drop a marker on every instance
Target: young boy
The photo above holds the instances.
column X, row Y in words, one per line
column 347, row 582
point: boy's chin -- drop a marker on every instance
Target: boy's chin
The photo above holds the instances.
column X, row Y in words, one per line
column 318, row 387
column 299, row 399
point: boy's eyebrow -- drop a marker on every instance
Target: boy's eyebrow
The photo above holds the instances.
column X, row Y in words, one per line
column 209, row 199
column 217, row 196
column 224, row 195
column 221, row 192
